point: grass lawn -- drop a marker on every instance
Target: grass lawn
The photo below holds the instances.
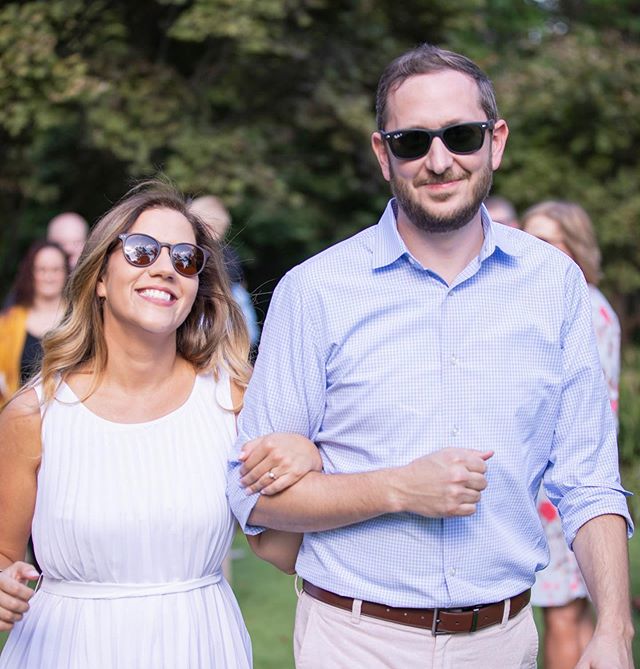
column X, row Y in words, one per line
column 267, row 600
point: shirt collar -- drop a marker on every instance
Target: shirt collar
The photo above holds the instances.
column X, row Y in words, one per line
column 497, row 236
column 389, row 245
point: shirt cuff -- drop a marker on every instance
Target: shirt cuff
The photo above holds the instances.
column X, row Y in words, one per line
column 583, row 504
column 241, row 504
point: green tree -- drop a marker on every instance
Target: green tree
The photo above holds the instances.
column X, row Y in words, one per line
column 573, row 104
column 270, row 105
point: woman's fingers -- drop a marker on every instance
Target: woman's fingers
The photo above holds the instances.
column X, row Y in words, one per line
column 263, row 481
column 12, row 604
column 253, row 475
column 14, row 593
column 279, row 484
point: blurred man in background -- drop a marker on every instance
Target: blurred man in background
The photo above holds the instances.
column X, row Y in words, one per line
column 69, row 230
column 217, row 218
column 502, row 211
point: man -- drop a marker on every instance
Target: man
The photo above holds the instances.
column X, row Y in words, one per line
column 217, row 218
column 442, row 364
column 69, row 230
column 502, row 211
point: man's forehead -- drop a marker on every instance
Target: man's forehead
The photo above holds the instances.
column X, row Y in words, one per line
column 66, row 226
column 440, row 98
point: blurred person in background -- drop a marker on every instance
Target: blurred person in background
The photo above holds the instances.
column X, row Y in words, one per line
column 502, row 211
column 560, row 589
column 38, row 307
column 216, row 216
column 70, row 231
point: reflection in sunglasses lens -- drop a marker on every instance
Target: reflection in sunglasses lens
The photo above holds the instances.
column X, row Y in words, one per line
column 141, row 251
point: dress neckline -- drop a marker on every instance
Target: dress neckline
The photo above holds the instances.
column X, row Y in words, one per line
column 66, row 388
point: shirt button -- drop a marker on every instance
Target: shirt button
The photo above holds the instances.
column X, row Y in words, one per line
column 454, row 359
column 452, row 571
column 455, row 432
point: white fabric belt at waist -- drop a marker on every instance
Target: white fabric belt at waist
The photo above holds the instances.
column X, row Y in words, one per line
column 93, row 590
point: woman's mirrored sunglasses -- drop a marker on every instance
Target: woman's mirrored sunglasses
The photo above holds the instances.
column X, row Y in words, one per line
column 143, row 250
column 460, row 138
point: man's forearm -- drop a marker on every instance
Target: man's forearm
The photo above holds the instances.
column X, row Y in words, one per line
column 444, row 483
column 326, row 501
column 601, row 549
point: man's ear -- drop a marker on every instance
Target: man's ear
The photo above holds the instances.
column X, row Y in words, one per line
column 498, row 142
column 380, row 149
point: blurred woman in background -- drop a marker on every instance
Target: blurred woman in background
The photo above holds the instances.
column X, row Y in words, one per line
column 38, row 307
column 559, row 588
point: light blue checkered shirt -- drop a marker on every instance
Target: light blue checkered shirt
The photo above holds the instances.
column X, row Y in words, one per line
column 379, row 361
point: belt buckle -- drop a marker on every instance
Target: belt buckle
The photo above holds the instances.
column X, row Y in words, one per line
column 436, row 620
column 434, row 624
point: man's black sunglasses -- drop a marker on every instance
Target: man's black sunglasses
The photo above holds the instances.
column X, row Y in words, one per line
column 143, row 250
column 460, row 138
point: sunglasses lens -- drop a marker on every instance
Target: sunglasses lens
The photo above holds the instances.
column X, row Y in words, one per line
column 141, row 250
column 409, row 144
column 187, row 259
column 465, row 138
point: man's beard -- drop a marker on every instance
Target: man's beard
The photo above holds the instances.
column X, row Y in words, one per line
column 428, row 220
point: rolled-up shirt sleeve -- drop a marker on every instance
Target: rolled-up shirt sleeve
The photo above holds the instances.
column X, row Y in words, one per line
column 583, row 478
column 287, row 389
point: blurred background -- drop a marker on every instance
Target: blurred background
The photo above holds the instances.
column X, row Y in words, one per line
column 268, row 104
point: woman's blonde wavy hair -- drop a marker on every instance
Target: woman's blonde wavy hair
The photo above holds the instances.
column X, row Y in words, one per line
column 578, row 234
column 213, row 335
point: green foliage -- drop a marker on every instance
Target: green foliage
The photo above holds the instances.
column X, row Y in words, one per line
column 629, row 438
column 573, row 104
column 270, row 105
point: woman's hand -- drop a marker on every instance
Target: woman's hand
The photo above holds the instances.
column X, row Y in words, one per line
column 15, row 593
column 276, row 461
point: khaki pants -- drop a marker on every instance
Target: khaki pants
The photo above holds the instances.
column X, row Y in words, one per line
column 327, row 637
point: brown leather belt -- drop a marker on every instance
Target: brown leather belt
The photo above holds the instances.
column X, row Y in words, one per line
column 439, row 621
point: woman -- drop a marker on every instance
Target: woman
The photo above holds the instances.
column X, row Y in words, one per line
column 559, row 588
column 117, row 458
column 38, row 307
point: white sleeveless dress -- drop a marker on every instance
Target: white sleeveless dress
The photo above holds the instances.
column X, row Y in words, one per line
column 130, row 529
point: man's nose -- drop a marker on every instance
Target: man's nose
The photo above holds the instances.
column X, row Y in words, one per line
column 438, row 159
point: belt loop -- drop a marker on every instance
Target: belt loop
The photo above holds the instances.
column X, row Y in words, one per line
column 436, row 620
column 355, row 611
column 474, row 620
column 506, row 612
column 295, row 586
